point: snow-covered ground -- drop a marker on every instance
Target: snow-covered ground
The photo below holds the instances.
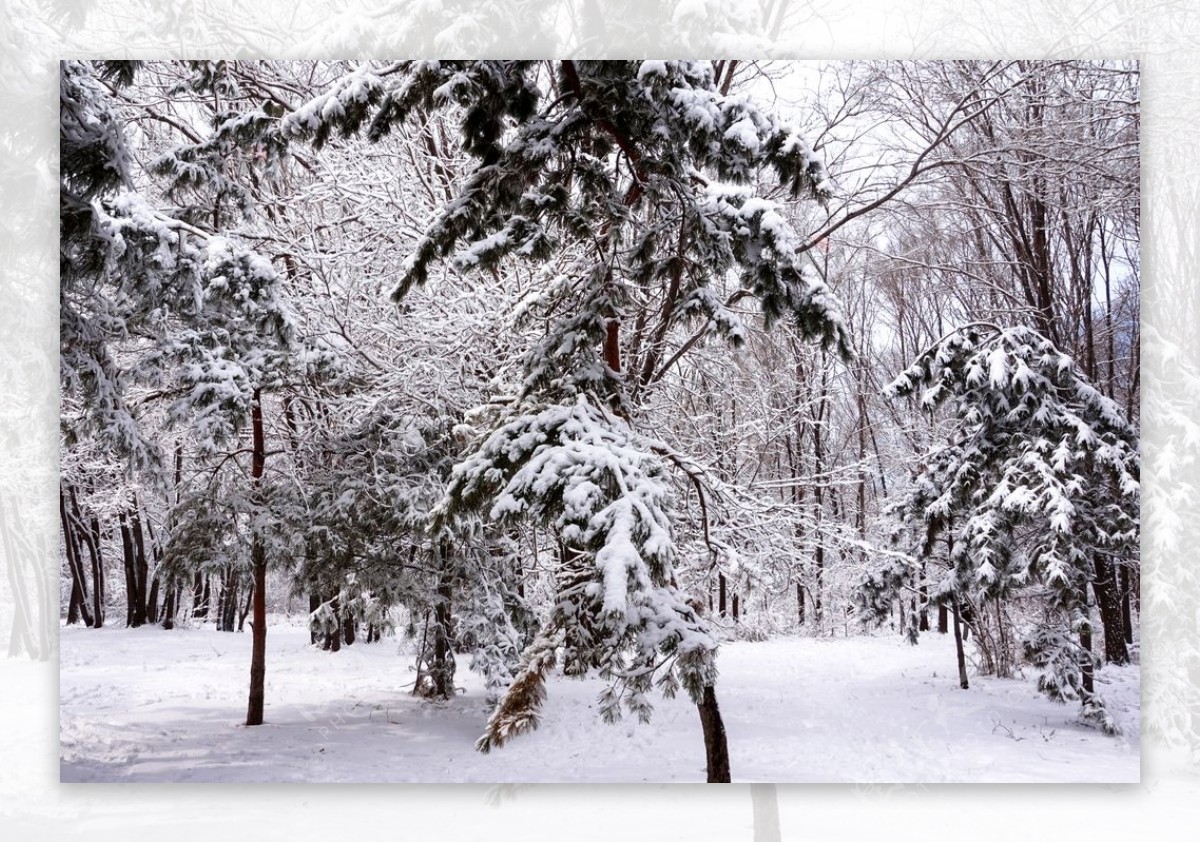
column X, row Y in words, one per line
column 149, row 705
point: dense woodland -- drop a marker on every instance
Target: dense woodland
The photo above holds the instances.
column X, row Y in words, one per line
column 589, row 366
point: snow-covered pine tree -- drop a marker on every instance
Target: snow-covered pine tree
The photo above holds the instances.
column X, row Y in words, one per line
column 637, row 180
column 147, row 299
column 161, row 299
column 1038, row 491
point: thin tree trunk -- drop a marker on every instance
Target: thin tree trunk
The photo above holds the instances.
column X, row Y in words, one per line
column 170, row 606
column 245, row 610
column 333, row 639
column 1087, row 665
column 716, row 746
column 258, row 561
column 958, row 645
column 78, row 604
column 442, row 669
column 130, row 569
column 89, row 533
column 314, row 603
column 199, row 609
column 923, row 625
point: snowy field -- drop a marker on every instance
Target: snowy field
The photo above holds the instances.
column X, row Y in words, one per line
column 146, row 705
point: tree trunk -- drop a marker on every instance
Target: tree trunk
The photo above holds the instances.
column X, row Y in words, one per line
column 442, row 669
column 89, row 534
column 716, row 747
column 152, row 602
column 923, row 626
column 78, row 604
column 943, row 619
column 258, row 561
column 170, row 606
column 245, row 610
column 130, row 569
column 142, row 567
column 1108, row 601
column 314, row 603
column 1126, row 603
column 958, row 645
column 721, row 594
column 1087, row 663
column 228, row 605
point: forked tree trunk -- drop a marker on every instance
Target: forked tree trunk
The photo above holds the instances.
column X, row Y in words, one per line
column 89, row 535
column 716, row 746
column 78, row 605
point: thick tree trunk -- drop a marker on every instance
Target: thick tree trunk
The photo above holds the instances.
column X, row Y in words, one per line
column 722, row 598
column 442, row 666
column 170, row 606
column 142, row 566
column 1126, row 603
column 943, row 619
column 130, row 569
column 442, row 669
column 228, row 602
column 716, row 746
column 258, row 561
column 152, row 602
column 1108, row 601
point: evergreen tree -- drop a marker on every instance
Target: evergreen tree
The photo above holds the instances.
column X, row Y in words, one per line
column 147, row 299
column 152, row 299
column 639, row 178
column 1037, row 491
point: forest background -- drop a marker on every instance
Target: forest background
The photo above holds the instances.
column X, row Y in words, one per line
column 1180, row 310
